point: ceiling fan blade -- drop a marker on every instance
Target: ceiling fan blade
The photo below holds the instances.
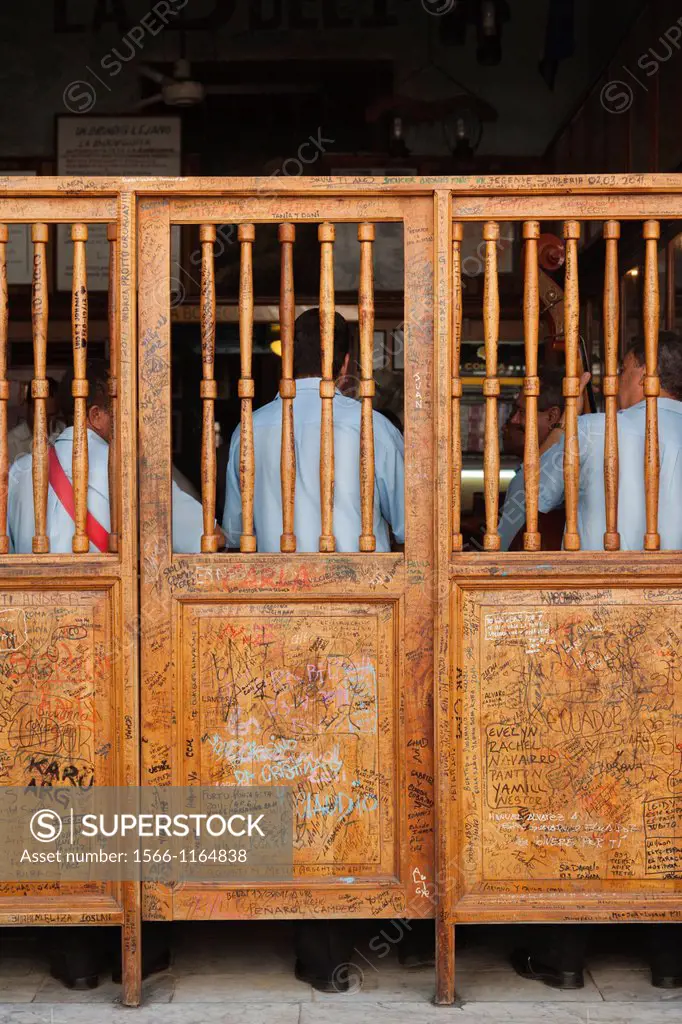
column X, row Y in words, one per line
column 149, row 101
column 257, row 89
column 156, row 76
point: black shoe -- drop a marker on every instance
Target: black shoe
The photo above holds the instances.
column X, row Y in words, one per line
column 529, row 967
column 337, row 981
column 666, row 980
column 72, row 981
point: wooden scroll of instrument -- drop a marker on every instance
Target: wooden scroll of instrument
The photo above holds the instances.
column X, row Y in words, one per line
column 456, row 387
column 4, row 390
column 40, row 387
column 79, row 388
column 366, row 389
column 326, row 235
column 287, row 385
column 114, row 355
column 209, row 388
column 652, row 386
column 610, row 383
column 531, row 384
column 491, row 387
column 246, row 387
column 572, row 386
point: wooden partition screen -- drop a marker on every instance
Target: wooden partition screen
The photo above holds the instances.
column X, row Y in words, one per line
column 262, row 668
column 68, row 621
column 559, row 674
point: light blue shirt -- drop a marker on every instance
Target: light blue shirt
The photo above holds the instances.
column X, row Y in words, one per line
column 631, row 503
column 389, row 473
column 513, row 511
column 187, row 513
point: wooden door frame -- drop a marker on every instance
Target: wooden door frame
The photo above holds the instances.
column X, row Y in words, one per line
column 114, row 577
column 403, row 580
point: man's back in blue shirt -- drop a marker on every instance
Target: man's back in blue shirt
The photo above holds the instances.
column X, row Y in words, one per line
column 389, row 486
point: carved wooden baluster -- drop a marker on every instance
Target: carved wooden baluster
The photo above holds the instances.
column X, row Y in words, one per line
column 287, row 385
column 610, row 384
column 326, row 235
column 40, row 387
column 366, row 390
column 491, row 387
column 209, row 387
column 4, row 390
column 114, row 355
column 79, row 388
column 652, row 385
column 531, row 385
column 246, row 389
column 456, row 387
column 572, row 386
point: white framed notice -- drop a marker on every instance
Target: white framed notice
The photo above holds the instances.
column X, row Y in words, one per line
column 111, row 146
column 19, row 250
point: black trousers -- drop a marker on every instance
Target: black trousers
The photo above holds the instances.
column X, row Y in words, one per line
column 322, row 946
column 563, row 946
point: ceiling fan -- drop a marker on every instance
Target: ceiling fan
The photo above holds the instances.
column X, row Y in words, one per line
column 183, row 90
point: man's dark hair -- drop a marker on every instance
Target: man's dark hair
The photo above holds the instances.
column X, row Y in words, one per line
column 551, row 388
column 97, row 374
column 669, row 360
column 307, row 355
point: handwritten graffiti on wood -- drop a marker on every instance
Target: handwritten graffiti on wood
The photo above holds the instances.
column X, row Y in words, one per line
column 571, row 756
column 53, row 667
column 291, row 696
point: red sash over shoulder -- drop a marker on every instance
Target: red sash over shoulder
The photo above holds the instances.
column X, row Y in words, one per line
column 63, row 488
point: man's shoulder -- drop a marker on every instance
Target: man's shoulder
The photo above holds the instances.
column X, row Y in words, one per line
column 385, row 432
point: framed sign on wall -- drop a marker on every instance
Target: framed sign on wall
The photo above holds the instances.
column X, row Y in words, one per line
column 112, row 145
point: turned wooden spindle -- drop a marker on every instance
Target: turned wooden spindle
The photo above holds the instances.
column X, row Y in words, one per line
column 287, row 385
column 652, row 386
column 491, row 387
column 208, row 388
column 326, row 235
column 610, row 383
column 79, row 388
column 246, row 389
column 366, row 389
column 40, row 387
column 531, row 385
column 114, row 357
column 4, row 390
column 572, row 386
column 456, row 387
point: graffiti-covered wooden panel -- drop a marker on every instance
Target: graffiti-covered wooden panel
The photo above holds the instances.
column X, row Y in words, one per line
column 311, row 669
column 300, row 695
column 570, row 747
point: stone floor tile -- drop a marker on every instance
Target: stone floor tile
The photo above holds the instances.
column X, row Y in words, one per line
column 505, row 986
column 633, row 985
column 386, row 982
column 238, row 1013
column 256, row 987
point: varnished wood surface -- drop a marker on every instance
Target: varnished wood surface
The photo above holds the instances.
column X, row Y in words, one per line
column 652, row 387
column 610, row 383
column 572, row 387
column 456, row 387
column 366, row 234
column 209, row 387
column 247, row 464
column 39, row 317
column 114, row 374
column 326, row 234
column 4, row 389
column 79, row 388
column 287, row 385
column 531, row 384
